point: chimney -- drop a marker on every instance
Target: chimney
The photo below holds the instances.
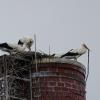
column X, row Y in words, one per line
column 59, row 80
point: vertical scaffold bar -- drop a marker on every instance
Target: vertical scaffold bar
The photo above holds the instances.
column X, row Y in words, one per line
column 49, row 52
column 35, row 53
column 5, row 78
column 31, row 83
column 37, row 79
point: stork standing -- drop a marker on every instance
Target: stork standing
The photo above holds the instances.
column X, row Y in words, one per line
column 75, row 53
column 27, row 41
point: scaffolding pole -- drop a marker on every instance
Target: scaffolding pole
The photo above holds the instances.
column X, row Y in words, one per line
column 36, row 67
column 35, row 53
column 31, row 83
column 5, row 78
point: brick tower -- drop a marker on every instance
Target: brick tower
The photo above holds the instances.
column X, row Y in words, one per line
column 59, row 80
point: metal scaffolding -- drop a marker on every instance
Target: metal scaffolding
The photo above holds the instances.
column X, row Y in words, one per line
column 14, row 78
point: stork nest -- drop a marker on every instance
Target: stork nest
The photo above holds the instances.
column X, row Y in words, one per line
column 30, row 55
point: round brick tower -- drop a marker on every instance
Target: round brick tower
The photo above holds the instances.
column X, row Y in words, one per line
column 59, row 80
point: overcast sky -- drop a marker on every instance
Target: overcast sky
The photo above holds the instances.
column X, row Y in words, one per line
column 64, row 24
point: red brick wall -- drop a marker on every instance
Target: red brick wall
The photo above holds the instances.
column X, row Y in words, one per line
column 64, row 82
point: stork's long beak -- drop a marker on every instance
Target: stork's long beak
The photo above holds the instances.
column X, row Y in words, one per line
column 87, row 47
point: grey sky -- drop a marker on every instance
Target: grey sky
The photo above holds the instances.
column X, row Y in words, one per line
column 64, row 24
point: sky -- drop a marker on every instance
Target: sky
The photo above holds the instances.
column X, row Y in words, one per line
column 62, row 24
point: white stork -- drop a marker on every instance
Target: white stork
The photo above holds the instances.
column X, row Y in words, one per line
column 12, row 48
column 27, row 41
column 75, row 53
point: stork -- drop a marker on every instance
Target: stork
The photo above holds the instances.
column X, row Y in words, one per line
column 75, row 53
column 27, row 41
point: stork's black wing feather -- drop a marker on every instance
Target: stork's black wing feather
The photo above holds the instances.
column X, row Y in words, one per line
column 5, row 45
column 69, row 54
column 20, row 42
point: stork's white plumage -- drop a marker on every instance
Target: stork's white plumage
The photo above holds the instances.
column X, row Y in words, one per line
column 75, row 53
column 12, row 48
column 27, row 41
